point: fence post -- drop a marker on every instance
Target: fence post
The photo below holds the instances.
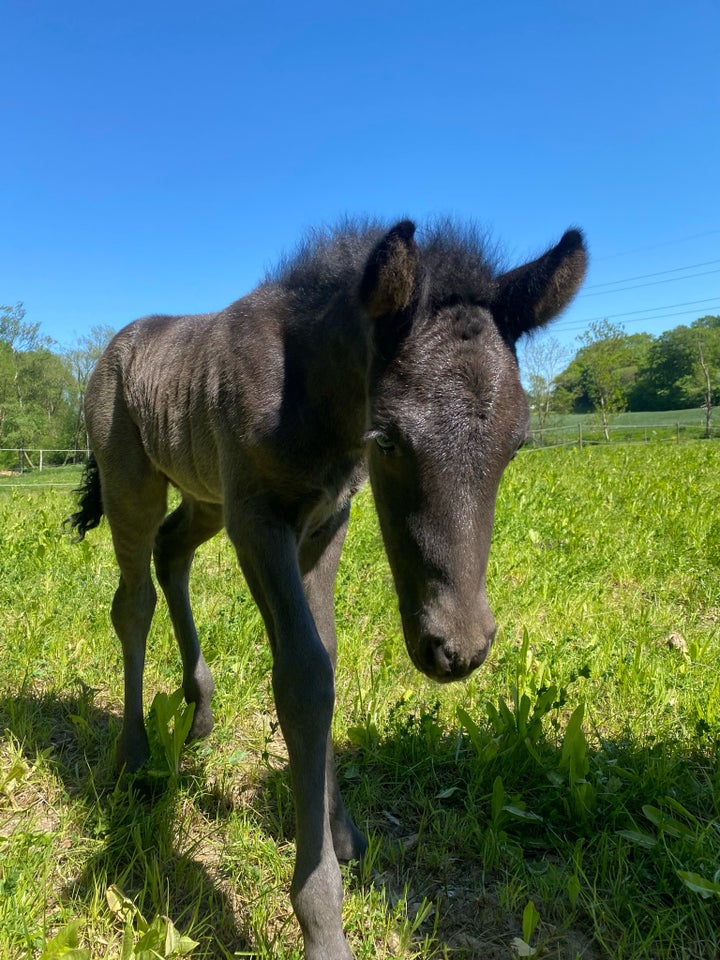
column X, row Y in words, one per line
column 41, row 459
column 20, row 455
column 580, row 440
column 677, row 433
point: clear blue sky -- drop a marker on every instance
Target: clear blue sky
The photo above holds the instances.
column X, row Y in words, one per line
column 157, row 156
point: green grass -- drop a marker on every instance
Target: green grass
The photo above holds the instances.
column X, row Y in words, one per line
column 51, row 478
column 578, row 770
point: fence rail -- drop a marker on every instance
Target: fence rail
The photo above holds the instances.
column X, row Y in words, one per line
column 587, row 434
column 22, row 459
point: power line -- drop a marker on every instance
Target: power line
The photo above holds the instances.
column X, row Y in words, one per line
column 630, row 313
column 641, row 316
column 652, row 283
column 648, row 320
column 645, row 276
column 655, row 246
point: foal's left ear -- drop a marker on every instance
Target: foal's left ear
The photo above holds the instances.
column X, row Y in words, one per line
column 388, row 282
column 532, row 295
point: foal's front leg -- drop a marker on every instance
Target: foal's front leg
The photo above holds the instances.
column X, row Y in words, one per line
column 303, row 684
column 319, row 559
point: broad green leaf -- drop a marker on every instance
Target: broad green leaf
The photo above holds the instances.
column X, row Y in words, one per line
column 573, row 888
column 121, row 905
column 9, row 779
column 176, row 944
column 698, row 884
column 65, row 945
column 473, row 730
column 669, row 825
column 447, row 793
column 679, row 808
column 128, row 943
column 644, row 839
column 152, row 939
column 530, row 920
column 498, row 799
column 574, row 749
column 521, row 814
column 545, row 700
column 183, row 722
column 66, row 953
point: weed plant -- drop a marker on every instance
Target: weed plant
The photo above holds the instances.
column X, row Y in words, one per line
column 563, row 802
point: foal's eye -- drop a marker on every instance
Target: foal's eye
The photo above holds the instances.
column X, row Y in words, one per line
column 385, row 445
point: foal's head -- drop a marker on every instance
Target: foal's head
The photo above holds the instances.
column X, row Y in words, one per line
column 446, row 414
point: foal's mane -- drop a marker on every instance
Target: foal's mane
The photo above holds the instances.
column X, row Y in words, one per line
column 460, row 261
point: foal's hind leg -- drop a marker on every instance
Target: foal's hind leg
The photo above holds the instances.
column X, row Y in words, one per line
column 134, row 511
column 319, row 559
column 179, row 536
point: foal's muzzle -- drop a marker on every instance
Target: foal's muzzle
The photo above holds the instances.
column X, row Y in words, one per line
column 446, row 649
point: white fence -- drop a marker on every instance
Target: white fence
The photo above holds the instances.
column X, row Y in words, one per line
column 591, row 433
column 15, row 460
column 18, row 460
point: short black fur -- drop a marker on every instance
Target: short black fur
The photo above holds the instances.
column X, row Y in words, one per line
column 366, row 352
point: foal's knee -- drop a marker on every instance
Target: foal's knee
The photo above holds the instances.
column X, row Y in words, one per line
column 304, row 690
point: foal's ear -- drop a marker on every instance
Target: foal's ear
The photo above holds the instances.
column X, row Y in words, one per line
column 530, row 296
column 388, row 282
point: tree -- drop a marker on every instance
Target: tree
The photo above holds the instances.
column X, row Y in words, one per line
column 682, row 364
column 18, row 334
column 81, row 360
column 669, row 370
column 542, row 360
column 707, row 332
column 17, row 339
column 42, row 390
column 604, row 356
column 707, row 403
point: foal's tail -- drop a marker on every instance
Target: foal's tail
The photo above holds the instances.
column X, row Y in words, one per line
column 90, row 501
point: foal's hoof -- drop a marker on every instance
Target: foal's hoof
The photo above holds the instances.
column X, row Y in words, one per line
column 202, row 724
column 198, row 688
column 132, row 752
column 348, row 842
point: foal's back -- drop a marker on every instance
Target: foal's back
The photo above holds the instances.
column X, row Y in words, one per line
column 260, row 391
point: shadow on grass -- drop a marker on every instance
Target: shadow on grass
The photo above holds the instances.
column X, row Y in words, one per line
column 474, row 835
column 601, row 837
column 142, row 831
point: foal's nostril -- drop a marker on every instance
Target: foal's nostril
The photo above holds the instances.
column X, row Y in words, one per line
column 441, row 659
column 445, row 660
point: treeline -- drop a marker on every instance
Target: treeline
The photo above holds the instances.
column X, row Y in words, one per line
column 614, row 371
column 42, row 387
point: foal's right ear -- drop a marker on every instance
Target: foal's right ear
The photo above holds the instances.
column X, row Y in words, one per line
column 388, row 282
column 531, row 295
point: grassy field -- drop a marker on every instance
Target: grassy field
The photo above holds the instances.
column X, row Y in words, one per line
column 563, row 802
